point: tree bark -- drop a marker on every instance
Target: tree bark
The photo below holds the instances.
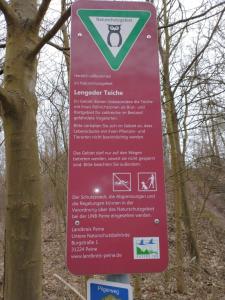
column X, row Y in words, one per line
column 23, row 268
column 170, row 121
column 177, row 185
column 182, row 211
column 18, row 110
column 23, row 214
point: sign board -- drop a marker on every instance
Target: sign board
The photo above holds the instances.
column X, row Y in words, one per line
column 103, row 290
column 116, row 198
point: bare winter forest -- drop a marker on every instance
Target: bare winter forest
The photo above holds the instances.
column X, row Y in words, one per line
column 34, row 103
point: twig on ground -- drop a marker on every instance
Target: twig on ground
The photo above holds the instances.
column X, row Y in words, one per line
column 70, row 286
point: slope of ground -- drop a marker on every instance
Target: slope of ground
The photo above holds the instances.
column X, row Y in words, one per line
column 206, row 281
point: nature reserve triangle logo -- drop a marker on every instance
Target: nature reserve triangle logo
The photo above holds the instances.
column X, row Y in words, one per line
column 114, row 31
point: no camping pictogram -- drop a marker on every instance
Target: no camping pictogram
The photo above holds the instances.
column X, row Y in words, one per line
column 121, row 182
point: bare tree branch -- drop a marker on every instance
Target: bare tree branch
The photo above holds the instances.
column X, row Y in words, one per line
column 66, row 42
column 193, row 17
column 58, row 47
column 50, row 34
column 2, row 142
column 42, row 11
column 7, row 11
column 199, row 54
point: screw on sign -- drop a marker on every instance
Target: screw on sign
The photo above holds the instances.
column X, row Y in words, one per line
column 116, row 197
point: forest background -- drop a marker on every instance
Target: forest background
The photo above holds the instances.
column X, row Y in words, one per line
column 192, row 64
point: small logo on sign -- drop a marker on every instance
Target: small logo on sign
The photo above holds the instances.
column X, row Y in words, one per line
column 114, row 38
column 121, row 182
column 110, row 297
column 146, row 248
column 147, row 182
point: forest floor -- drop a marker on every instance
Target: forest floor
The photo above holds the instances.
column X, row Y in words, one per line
column 204, row 281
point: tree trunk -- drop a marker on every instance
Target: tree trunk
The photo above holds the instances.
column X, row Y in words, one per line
column 182, row 211
column 23, row 213
column 18, row 110
column 177, row 185
column 23, row 266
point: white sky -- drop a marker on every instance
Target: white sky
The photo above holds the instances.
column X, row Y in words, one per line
column 189, row 4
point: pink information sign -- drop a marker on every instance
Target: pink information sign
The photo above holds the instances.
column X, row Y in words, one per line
column 116, row 198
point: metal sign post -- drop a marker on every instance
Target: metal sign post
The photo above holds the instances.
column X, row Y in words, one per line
column 123, row 278
column 116, row 199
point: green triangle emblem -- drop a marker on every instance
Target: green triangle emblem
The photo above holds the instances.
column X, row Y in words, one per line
column 114, row 31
